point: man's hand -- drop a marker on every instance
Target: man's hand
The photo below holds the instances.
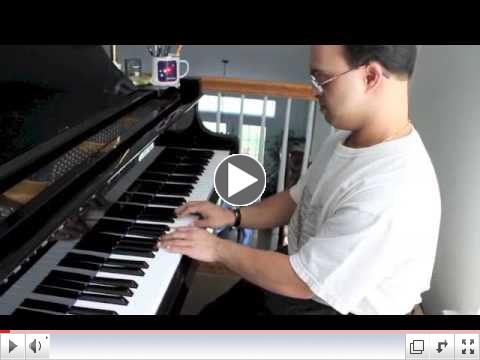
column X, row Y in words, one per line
column 193, row 242
column 212, row 216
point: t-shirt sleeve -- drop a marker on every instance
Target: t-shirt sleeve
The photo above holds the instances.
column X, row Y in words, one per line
column 346, row 257
column 296, row 190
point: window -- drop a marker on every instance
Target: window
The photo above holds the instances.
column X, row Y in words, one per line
column 231, row 105
column 250, row 142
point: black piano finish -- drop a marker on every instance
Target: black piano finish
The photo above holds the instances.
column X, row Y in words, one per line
column 70, row 97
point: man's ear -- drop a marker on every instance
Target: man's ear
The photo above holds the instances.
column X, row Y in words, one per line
column 373, row 76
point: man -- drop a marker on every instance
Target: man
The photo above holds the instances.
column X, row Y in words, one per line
column 363, row 221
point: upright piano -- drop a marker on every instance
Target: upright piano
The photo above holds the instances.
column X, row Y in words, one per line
column 91, row 170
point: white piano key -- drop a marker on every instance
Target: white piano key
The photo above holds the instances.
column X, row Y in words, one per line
column 151, row 287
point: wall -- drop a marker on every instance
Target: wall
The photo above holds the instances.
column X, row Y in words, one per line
column 446, row 110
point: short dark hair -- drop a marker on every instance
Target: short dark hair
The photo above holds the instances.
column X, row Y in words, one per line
column 397, row 59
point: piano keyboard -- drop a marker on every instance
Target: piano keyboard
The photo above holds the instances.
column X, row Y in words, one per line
column 116, row 268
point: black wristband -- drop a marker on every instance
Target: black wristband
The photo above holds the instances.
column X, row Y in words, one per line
column 238, row 217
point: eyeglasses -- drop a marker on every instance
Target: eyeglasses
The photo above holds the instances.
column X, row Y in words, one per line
column 320, row 86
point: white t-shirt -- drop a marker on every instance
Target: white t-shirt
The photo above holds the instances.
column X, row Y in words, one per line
column 364, row 234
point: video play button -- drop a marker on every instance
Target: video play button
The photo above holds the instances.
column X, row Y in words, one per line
column 11, row 346
column 240, row 180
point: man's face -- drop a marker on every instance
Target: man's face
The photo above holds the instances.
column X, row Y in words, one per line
column 342, row 99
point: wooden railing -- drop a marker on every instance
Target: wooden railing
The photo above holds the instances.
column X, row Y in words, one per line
column 257, row 88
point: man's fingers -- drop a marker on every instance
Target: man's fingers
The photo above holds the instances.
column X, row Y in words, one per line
column 180, row 233
column 187, row 251
column 175, row 245
column 180, row 209
column 203, row 223
column 184, row 229
column 191, row 208
column 174, row 236
column 187, row 210
column 186, row 205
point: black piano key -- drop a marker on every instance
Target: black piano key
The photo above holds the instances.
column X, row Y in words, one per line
column 76, row 264
column 184, row 151
column 73, row 285
column 175, row 189
column 154, row 214
column 101, row 240
column 130, row 252
column 63, row 284
column 192, row 169
column 70, row 276
column 187, row 156
column 28, row 312
column 106, row 260
column 107, row 243
column 91, row 246
column 76, row 310
column 159, row 211
column 93, row 279
column 79, row 265
column 187, row 179
column 167, row 201
column 161, row 177
column 185, row 163
column 144, row 187
column 129, row 263
column 115, row 282
column 109, row 299
column 176, row 169
column 144, row 236
column 44, row 305
column 143, row 242
column 86, row 258
column 139, row 237
column 137, row 244
column 115, row 249
column 110, row 244
column 52, row 291
column 123, row 211
column 105, row 225
column 153, row 219
column 72, row 294
column 141, row 213
column 148, row 227
column 158, row 166
column 147, row 230
column 109, row 290
column 160, row 184
column 86, row 287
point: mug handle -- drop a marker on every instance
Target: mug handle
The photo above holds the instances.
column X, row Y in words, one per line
column 187, row 70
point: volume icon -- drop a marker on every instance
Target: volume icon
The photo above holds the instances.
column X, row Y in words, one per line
column 35, row 346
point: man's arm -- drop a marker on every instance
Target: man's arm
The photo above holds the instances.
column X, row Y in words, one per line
column 271, row 212
column 274, row 211
column 267, row 269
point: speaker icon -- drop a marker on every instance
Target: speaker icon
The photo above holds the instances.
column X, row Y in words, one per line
column 35, row 346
